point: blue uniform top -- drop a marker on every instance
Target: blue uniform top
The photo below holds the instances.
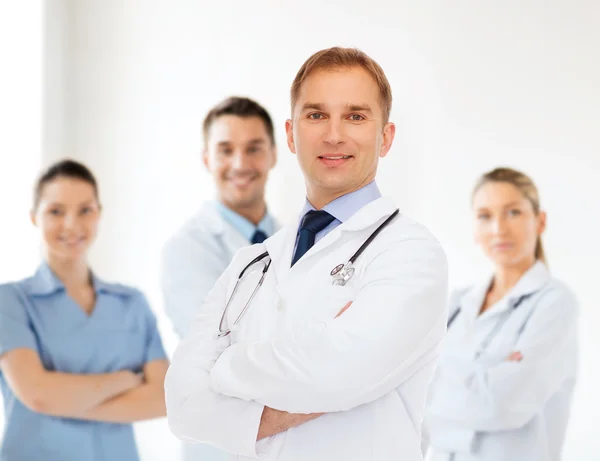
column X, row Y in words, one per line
column 120, row 334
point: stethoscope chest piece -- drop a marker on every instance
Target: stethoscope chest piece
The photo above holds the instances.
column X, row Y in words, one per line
column 336, row 269
column 342, row 273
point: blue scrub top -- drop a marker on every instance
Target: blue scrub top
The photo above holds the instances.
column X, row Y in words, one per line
column 120, row 334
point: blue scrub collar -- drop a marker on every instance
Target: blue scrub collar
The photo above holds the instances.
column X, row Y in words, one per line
column 45, row 282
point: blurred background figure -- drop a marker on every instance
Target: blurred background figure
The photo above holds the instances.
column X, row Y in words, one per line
column 239, row 151
column 80, row 359
column 505, row 379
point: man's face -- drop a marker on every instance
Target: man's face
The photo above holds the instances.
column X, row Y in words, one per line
column 239, row 154
column 337, row 131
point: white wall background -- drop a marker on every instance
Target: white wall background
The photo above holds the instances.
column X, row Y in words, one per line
column 476, row 84
column 20, row 135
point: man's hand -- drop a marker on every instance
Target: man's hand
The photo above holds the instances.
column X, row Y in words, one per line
column 515, row 357
column 274, row 421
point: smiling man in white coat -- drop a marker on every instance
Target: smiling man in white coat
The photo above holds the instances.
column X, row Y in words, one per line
column 239, row 151
column 308, row 358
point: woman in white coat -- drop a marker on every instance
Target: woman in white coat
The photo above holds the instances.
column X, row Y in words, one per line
column 504, row 382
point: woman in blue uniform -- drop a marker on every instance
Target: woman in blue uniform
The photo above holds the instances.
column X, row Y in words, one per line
column 80, row 359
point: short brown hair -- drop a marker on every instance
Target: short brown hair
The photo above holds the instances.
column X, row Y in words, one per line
column 525, row 185
column 242, row 107
column 336, row 58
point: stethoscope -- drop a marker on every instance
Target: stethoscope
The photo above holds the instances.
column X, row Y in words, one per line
column 340, row 273
column 492, row 334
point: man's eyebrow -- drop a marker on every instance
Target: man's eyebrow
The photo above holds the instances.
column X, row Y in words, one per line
column 313, row 105
column 359, row 107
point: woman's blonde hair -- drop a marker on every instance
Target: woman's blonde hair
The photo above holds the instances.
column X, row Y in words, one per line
column 525, row 185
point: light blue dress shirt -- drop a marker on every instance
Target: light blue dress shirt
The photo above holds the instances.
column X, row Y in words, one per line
column 245, row 227
column 342, row 208
column 119, row 334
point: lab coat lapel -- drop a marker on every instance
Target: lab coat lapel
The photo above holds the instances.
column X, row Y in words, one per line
column 533, row 280
column 281, row 245
column 471, row 302
column 232, row 240
column 368, row 216
column 371, row 215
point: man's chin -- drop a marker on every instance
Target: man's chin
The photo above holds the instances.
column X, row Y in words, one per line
column 334, row 183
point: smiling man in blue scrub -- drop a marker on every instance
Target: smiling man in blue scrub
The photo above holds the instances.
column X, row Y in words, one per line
column 80, row 359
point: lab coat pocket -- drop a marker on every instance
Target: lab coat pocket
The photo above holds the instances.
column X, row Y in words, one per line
column 332, row 301
column 312, row 312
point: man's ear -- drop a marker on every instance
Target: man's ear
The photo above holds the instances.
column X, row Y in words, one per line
column 289, row 132
column 389, row 132
column 205, row 158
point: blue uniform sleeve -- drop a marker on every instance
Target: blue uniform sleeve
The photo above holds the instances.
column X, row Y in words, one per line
column 16, row 330
column 154, row 346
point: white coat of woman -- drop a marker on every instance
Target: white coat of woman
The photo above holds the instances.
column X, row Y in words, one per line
column 504, row 382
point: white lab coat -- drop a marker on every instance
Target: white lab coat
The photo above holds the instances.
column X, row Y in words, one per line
column 490, row 409
column 192, row 261
column 368, row 369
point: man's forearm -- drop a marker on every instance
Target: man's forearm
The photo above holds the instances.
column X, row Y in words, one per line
column 75, row 394
column 274, row 421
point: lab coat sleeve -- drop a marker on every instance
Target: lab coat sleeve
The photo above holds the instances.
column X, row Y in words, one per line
column 393, row 329
column 195, row 412
column 189, row 269
column 509, row 394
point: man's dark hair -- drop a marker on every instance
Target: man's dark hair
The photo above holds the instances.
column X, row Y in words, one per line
column 242, row 107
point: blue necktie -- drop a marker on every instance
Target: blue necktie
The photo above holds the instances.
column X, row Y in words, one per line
column 312, row 223
column 258, row 237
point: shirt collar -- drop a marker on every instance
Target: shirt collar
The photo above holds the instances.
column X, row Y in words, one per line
column 533, row 280
column 45, row 282
column 342, row 208
column 244, row 226
column 530, row 282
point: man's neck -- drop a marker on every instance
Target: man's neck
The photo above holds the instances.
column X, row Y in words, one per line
column 320, row 197
column 253, row 213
